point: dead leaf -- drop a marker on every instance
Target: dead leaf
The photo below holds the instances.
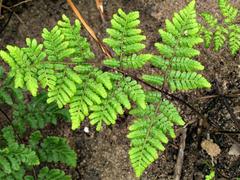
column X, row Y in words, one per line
column 234, row 150
column 212, row 148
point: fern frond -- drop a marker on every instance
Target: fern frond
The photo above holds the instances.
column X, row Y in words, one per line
column 153, row 79
column 207, row 35
column 149, row 132
column 66, row 86
column 57, row 48
column 125, row 38
column 227, row 10
column 228, row 31
column 126, row 41
column 52, row 174
column 186, row 81
column 14, row 156
column 177, row 53
column 219, row 37
column 234, row 38
column 56, row 149
column 78, row 43
column 36, row 114
column 209, row 19
column 24, row 63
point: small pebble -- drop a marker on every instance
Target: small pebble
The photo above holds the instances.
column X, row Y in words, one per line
column 86, row 130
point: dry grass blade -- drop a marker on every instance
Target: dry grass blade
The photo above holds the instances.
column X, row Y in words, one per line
column 99, row 4
column 89, row 29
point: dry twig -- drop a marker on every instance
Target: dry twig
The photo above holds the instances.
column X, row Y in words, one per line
column 179, row 164
column 99, row 4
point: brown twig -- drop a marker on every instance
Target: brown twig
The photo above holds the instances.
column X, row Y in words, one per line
column 20, row 3
column 5, row 25
column 15, row 14
column 179, row 163
column 233, row 118
column 99, row 4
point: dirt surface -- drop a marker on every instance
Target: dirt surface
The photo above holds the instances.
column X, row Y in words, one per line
column 104, row 155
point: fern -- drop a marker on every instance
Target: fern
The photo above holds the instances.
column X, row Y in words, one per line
column 56, row 149
column 59, row 66
column 126, row 41
column 149, row 132
column 8, row 94
column 52, row 174
column 177, row 53
column 36, row 114
column 155, row 124
column 220, row 33
column 16, row 159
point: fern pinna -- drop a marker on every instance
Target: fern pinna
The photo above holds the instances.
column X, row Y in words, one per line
column 150, row 131
column 226, row 31
column 16, row 159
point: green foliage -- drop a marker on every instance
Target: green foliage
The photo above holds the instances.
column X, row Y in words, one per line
column 220, row 33
column 52, row 174
column 56, row 149
column 155, row 124
column 126, row 41
column 210, row 176
column 17, row 159
column 8, row 94
column 59, row 66
column 36, row 113
column 177, row 52
column 149, row 131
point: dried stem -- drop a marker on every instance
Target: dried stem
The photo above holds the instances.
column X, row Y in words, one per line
column 179, row 164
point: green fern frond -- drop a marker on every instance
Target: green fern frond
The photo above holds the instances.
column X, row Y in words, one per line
column 150, row 132
column 234, row 38
column 227, row 10
column 57, row 48
column 14, row 156
column 207, row 36
column 52, row 174
column 209, row 19
column 23, row 63
column 56, row 149
column 153, row 79
column 177, row 53
column 228, row 32
column 78, row 43
column 125, row 38
column 36, row 114
column 186, row 81
column 219, row 37
column 126, row 41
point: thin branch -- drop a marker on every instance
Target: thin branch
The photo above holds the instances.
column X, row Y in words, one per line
column 99, row 4
column 234, row 118
column 17, row 16
column 20, row 3
column 5, row 25
column 179, row 164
